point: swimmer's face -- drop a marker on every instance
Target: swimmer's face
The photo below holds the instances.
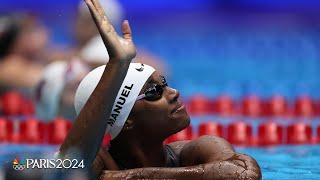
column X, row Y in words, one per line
column 160, row 117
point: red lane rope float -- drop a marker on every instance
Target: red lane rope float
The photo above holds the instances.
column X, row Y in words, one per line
column 58, row 130
column 304, row 107
column 210, row 128
column 223, row 105
column 239, row 133
column 33, row 131
column 318, row 135
column 299, row 133
column 14, row 131
column 11, row 103
column 318, row 108
column 27, row 108
column 185, row 134
column 1, row 105
column 251, row 106
column 4, row 134
column 199, row 105
column 270, row 133
column 276, row 106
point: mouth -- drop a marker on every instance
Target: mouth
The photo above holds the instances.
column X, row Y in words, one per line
column 178, row 108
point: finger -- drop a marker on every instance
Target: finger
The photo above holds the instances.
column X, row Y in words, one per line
column 104, row 26
column 104, row 18
column 126, row 30
column 100, row 9
column 93, row 12
column 107, row 32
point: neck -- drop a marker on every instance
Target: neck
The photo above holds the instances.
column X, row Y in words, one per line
column 133, row 153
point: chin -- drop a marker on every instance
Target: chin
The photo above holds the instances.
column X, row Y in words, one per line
column 187, row 122
column 186, row 118
column 183, row 123
column 179, row 122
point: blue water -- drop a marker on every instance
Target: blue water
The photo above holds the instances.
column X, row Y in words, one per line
column 281, row 162
column 287, row 162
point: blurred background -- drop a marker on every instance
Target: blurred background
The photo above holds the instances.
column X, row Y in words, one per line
column 248, row 71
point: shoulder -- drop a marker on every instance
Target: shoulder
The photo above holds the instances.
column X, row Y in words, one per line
column 206, row 142
column 202, row 150
column 209, row 142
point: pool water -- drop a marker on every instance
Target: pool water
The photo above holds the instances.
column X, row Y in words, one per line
column 280, row 162
column 287, row 162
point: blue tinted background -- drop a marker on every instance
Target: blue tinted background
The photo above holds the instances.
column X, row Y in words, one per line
column 218, row 46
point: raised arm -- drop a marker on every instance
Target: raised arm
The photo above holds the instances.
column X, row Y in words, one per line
column 85, row 137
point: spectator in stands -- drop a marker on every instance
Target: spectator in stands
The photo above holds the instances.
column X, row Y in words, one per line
column 22, row 51
column 54, row 94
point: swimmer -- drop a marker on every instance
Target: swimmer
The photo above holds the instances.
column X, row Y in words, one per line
column 134, row 103
column 55, row 91
column 23, row 41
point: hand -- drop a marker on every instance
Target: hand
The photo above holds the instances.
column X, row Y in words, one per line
column 119, row 48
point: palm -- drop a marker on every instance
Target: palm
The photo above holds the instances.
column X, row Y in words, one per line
column 128, row 47
column 118, row 47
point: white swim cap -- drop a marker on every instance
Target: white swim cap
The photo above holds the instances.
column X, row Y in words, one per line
column 135, row 79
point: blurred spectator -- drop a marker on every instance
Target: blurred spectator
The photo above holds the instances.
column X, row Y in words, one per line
column 22, row 51
column 23, row 56
column 55, row 91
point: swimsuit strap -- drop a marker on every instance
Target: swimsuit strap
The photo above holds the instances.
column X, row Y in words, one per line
column 172, row 160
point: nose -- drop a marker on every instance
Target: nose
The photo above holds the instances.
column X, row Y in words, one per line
column 173, row 95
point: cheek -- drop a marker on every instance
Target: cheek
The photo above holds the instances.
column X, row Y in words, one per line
column 154, row 113
column 158, row 109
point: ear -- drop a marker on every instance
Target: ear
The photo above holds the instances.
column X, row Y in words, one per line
column 128, row 125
